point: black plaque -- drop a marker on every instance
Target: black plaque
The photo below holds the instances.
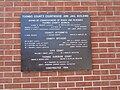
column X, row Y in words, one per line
column 55, row 42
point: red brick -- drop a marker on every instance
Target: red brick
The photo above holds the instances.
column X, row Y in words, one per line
column 114, row 71
column 30, row 85
column 1, row 25
column 118, row 66
column 93, row 23
column 16, row 58
column 102, row 83
column 47, row 8
column 1, row 19
column 30, row 74
column 56, row 79
column 1, row 10
column 78, row 78
column 113, row 77
column 109, row 88
column 1, row 52
column 17, row 41
column 104, row 72
column 59, row 8
column 12, row 52
column 17, row 46
column 6, row 4
column 83, row 84
column 96, row 72
column 89, row 78
column 50, row 73
column 117, row 33
column 1, row 63
column 30, row 8
column 5, row 36
column 72, row 3
column 9, row 41
column 16, row 68
column 117, row 44
column 118, row 55
column 108, row 66
column 66, row 84
column 80, row 8
column 88, row 3
column 39, row 79
column 98, row 8
column 21, row 3
column 12, row 30
column 107, row 55
column 113, row 18
column 55, row 3
column 113, row 28
column 16, row 35
column 1, row 42
column 106, row 23
column 12, row 9
column 13, row 74
column 1, row 86
column 85, row 72
column 56, row 89
column 62, row 73
column 105, row 13
column 116, row 3
column 97, row 18
column 6, row 80
column 5, row 69
column 6, row 58
column 114, row 61
column 43, row 3
column 93, row 88
column 117, row 23
column 48, row 85
column 98, row 39
column 74, row 88
column 106, row 44
column 12, row 63
column 34, row 3
column 21, row 80
column 94, row 34
column 115, row 83
column 116, row 13
column 95, row 56
column 114, row 39
column 12, row 86
column 67, row 8
column 8, row 14
column 92, row 13
column 8, row 25
column 104, row 3
column 113, row 8
column 95, row 67
column 100, row 50
column 113, row 49
column 94, row 44
column 103, row 61
column 106, row 34
column 12, row 19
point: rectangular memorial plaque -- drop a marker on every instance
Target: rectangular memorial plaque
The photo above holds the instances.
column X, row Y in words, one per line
column 55, row 42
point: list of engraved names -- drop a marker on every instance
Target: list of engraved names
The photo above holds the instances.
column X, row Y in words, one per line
column 55, row 42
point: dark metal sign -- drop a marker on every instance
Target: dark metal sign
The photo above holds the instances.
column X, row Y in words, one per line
column 55, row 42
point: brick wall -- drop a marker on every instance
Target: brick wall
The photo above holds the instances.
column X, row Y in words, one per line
column 105, row 35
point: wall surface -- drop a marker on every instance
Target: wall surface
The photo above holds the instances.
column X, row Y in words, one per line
column 105, row 35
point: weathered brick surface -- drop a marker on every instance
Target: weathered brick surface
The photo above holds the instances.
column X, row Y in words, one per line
column 105, row 36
